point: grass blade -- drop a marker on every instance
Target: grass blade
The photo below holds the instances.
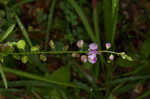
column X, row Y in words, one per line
column 3, row 76
column 21, row 3
column 36, row 77
column 21, row 83
column 7, row 33
column 107, row 20
column 83, row 19
column 115, row 7
column 50, row 18
column 110, row 19
column 23, row 30
column 96, row 24
column 130, row 79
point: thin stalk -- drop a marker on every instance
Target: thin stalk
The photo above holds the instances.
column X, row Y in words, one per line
column 59, row 52
column 50, row 18
column 83, row 19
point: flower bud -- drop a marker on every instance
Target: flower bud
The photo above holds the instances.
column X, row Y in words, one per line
column 24, row 59
column 21, row 44
column 108, row 45
column 111, row 57
column 80, row 44
column 93, row 46
column 84, row 58
column 51, row 44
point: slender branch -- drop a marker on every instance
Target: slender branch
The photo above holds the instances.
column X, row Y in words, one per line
column 58, row 52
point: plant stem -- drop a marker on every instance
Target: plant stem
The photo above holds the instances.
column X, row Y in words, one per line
column 59, row 52
column 97, row 31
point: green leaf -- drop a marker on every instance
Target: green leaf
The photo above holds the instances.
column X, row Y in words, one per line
column 54, row 94
column 61, row 75
column 7, row 33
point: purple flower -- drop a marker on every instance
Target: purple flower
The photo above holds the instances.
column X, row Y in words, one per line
column 93, row 52
column 92, row 58
column 93, row 46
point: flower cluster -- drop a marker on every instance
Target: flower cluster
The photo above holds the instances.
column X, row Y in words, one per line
column 93, row 51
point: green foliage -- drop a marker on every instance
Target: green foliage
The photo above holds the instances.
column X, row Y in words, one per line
column 53, row 73
column 61, row 75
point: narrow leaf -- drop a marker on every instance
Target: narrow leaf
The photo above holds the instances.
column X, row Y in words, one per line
column 7, row 33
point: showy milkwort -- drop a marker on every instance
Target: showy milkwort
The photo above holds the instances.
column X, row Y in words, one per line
column 93, row 51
